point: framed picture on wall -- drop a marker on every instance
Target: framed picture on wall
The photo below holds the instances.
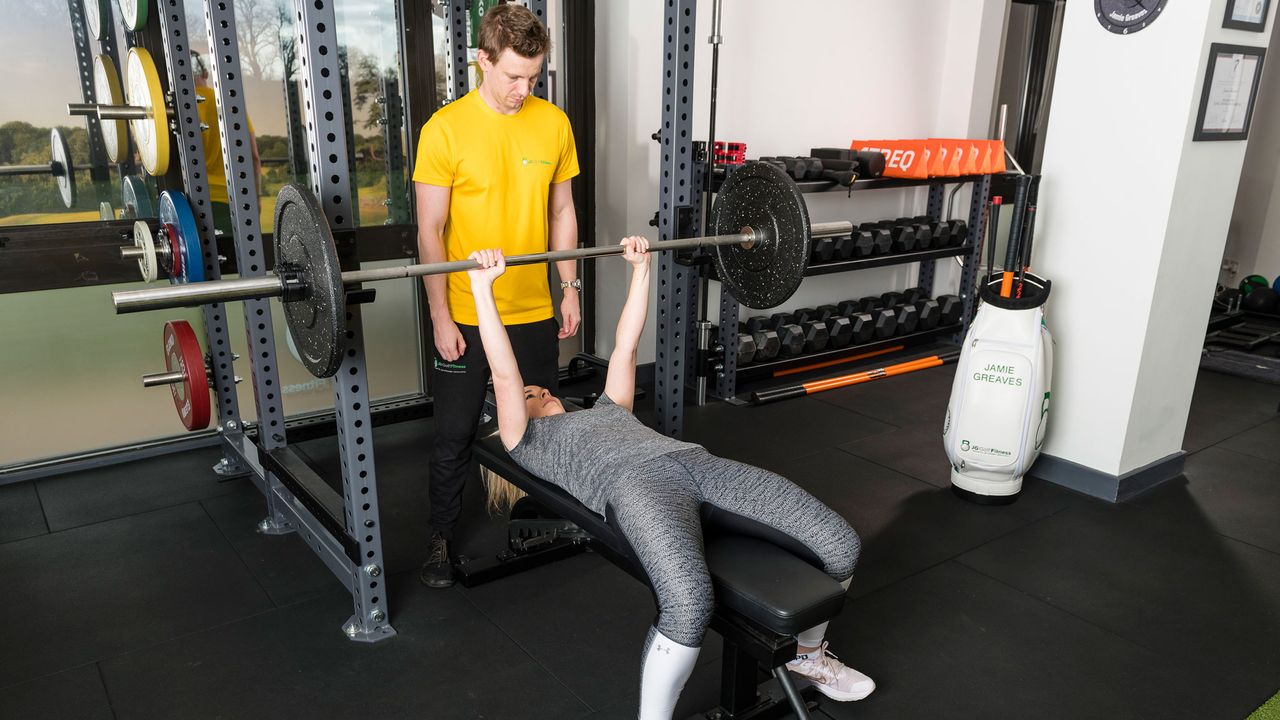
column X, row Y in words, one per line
column 1230, row 89
column 1247, row 14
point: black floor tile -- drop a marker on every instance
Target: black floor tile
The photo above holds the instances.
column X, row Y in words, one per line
column 81, row 595
column 283, row 565
column 918, row 398
column 1220, row 394
column 20, row 513
column 1261, row 441
column 915, row 450
column 1160, row 576
column 1238, row 495
column 577, row 614
column 447, row 661
column 1205, row 429
column 951, row 643
column 907, row 525
column 118, row 491
column 77, row 693
column 769, row 435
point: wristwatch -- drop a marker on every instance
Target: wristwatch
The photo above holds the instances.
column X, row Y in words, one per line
column 575, row 283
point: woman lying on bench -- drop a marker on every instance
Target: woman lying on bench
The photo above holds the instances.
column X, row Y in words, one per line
column 652, row 488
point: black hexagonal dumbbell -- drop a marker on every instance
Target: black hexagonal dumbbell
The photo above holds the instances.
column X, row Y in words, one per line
column 904, row 239
column 908, row 319
column 864, row 244
column 891, row 299
column 941, row 234
column 870, row 304
column 839, row 331
column 791, row 336
column 849, row 307
column 959, row 233
column 913, row 295
column 825, row 312
column 744, row 346
column 778, row 319
column 930, row 313
column 881, row 238
column 884, row 322
column 822, row 250
column 757, row 322
column 924, row 235
column 863, row 327
column 804, row 315
column 816, row 336
column 844, row 248
column 950, row 308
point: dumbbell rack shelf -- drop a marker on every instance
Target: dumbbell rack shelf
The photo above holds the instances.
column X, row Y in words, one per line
column 885, row 260
column 765, row 370
column 880, row 183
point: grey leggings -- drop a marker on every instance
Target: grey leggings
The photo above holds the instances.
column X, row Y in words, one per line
column 659, row 508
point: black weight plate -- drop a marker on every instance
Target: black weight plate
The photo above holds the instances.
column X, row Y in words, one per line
column 318, row 321
column 762, row 197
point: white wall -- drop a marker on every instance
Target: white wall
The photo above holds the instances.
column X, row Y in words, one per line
column 875, row 69
column 1133, row 218
column 1253, row 240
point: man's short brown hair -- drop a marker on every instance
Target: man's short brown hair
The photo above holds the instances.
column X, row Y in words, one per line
column 513, row 26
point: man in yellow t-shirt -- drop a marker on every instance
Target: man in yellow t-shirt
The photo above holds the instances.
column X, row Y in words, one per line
column 209, row 137
column 492, row 171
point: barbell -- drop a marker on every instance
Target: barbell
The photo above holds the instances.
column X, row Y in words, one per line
column 762, row 244
column 59, row 166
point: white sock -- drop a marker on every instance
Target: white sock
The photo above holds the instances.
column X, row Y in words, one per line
column 813, row 636
column 665, row 668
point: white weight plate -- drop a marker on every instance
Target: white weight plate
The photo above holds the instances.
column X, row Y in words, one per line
column 147, row 261
column 133, row 13
column 60, row 159
column 106, row 90
column 93, row 12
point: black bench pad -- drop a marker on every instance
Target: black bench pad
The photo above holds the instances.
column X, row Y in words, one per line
column 754, row 579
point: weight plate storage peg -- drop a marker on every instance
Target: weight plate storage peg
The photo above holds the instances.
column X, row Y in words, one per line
column 182, row 357
column 304, row 245
column 184, row 262
column 760, row 197
column 106, row 90
column 151, row 133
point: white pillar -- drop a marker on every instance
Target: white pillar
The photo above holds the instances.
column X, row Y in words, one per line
column 1133, row 218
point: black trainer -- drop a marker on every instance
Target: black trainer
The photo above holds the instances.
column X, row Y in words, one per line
column 437, row 572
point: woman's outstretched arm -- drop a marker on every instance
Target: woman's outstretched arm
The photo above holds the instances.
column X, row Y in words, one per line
column 620, row 383
column 508, row 386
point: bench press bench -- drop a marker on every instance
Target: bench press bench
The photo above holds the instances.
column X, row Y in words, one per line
column 764, row 594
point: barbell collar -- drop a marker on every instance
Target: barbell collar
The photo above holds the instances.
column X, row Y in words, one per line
column 164, row 378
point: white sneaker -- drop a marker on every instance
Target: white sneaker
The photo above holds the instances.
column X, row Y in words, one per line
column 832, row 677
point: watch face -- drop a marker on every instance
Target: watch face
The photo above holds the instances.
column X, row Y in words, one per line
column 1127, row 16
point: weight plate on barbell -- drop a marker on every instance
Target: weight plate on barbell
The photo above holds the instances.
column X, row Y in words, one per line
column 105, row 211
column 106, row 90
column 762, row 197
column 93, row 12
column 171, row 259
column 152, row 132
column 134, row 14
column 175, row 210
column 304, row 244
column 60, row 155
column 136, row 197
column 182, row 354
column 147, row 260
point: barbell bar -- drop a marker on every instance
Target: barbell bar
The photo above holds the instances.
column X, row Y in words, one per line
column 57, row 168
column 762, row 244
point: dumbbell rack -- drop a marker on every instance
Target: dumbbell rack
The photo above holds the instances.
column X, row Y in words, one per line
column 727, row 380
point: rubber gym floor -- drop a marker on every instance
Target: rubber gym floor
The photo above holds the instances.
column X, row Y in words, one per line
column 142, row 590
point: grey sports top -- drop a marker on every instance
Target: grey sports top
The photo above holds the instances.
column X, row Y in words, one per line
column 586, row 452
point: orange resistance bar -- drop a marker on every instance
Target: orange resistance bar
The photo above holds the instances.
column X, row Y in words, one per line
column 869, row 375
column 841, row 361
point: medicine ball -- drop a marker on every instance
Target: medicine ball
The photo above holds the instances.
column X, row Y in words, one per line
column 1262, row 300
column 1251, row 283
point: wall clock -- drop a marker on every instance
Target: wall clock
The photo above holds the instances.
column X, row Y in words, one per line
column 1127, row 16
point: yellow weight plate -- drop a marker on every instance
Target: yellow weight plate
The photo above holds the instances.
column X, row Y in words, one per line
column 106, row 90
column 152, row 132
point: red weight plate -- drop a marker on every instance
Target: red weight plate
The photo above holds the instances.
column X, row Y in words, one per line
column 174, row 267
column 182, row 354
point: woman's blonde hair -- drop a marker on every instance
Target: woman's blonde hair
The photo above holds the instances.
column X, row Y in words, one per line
column 499, row 495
